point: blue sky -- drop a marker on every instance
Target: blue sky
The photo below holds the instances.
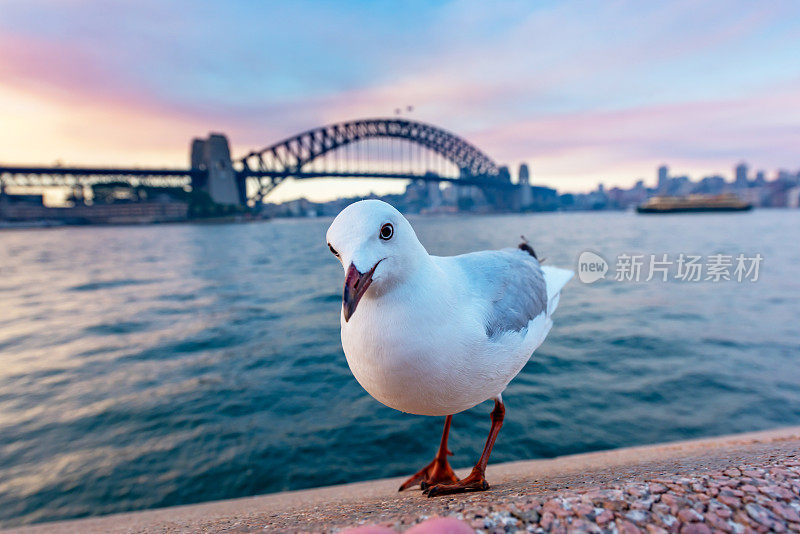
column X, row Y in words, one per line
column 583, row 91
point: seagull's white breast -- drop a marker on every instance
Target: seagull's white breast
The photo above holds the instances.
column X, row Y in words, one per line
column 425, row 350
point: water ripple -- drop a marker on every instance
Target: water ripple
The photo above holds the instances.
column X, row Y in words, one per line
column 204, row 362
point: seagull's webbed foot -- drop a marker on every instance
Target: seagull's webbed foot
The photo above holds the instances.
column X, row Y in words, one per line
column 436, row 472
column 475, row 481
column 439, row 470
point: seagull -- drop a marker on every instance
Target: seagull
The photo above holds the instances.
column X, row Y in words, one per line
column 433, row 335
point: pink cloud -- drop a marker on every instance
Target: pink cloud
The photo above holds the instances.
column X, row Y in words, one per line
column 85, row 113
column 493, row 92
column 66, row 73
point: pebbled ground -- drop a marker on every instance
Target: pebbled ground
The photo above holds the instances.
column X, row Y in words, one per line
column 761, row 495
column 741, row 483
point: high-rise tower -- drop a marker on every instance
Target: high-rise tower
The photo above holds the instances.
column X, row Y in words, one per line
column 740, row 171
column 525, row 193
column 663, row 177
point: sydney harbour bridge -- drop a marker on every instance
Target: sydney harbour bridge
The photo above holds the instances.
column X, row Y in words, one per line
column 387, row 148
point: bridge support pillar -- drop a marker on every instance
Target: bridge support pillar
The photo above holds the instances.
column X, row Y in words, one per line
column 221, row 181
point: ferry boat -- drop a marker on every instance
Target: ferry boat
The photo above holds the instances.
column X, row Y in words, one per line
column 694, row 203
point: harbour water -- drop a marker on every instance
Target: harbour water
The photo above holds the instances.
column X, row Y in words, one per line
column 160, row 365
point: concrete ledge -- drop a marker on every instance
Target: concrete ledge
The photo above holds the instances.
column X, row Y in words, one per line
column 329, row 508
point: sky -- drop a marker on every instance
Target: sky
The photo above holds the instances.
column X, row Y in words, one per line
column 584, row 92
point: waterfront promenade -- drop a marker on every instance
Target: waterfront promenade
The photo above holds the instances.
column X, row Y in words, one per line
column 740, row 483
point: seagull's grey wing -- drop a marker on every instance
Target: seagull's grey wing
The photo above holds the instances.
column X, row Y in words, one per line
column 513, row 285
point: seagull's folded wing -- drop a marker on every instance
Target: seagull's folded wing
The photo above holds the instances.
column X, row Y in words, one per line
column 510, row 286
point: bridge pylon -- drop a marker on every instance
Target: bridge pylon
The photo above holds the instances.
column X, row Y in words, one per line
column 220, row 180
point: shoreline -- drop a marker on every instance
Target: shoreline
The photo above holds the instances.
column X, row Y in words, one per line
column 45, row 224
column 334, row 507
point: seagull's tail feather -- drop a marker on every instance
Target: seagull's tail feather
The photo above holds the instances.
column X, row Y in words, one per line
column 554, row 280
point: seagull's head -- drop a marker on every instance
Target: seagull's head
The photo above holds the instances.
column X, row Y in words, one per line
column 377, row 248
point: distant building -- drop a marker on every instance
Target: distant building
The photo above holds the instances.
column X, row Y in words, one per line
column 679, row 185
column 786, row 176
column 753, row 195
column 663, row 176
column 434, row 195
column 543, row 198
column 710, row 185
column 450, row 194
column 524, row 176
column 470, row 198
column 740, row 171
column 130, row 213
column 426, row 197
column 525, row 193
column 793, row 197
column 620, row 198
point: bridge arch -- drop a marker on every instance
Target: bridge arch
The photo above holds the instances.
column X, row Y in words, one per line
column 288, row 157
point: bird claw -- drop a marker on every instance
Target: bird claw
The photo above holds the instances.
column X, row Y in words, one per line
column 462, row 486
column 436, row 472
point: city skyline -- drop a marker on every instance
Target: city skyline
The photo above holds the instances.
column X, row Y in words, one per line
column 585, row 93
column 750, row 187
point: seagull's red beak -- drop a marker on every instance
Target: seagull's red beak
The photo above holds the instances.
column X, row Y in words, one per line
column 355, row 285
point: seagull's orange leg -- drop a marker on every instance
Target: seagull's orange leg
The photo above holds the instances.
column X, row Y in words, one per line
column 475, row 481
column 439, row 470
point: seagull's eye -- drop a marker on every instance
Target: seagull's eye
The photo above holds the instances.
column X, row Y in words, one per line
column 333, row 250
column 387, row 231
